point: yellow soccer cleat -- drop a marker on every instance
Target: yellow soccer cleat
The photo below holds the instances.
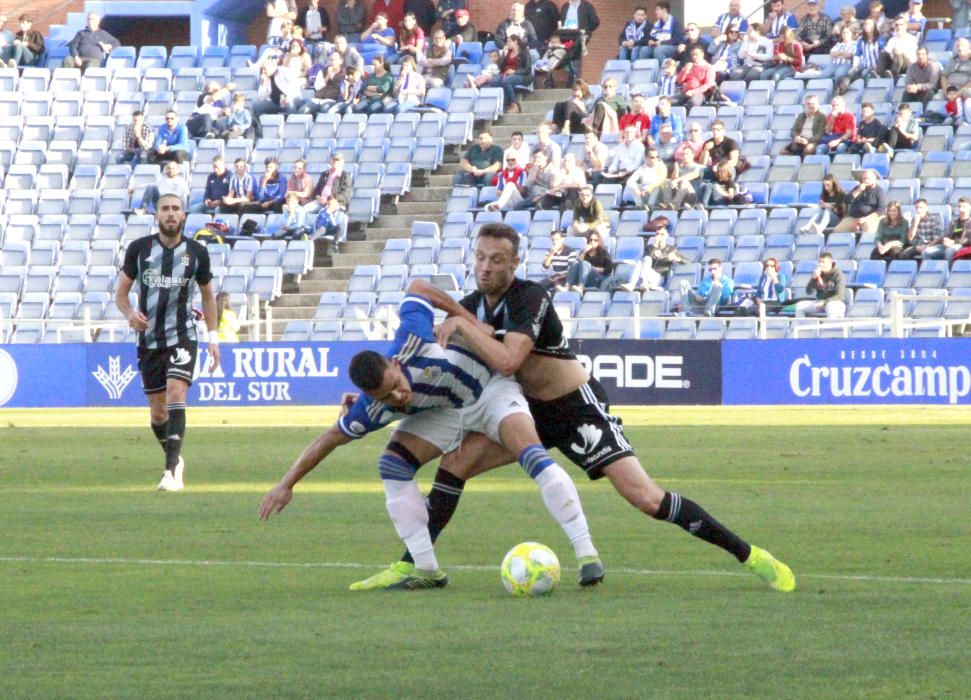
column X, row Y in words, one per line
column 394, row 574
column 771, row 570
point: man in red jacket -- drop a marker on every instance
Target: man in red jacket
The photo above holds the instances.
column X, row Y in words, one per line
column 696, row 79
column 840, row 129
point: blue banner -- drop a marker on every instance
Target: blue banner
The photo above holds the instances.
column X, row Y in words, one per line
column 846, row 371
column 655, row 372
column 37, row 376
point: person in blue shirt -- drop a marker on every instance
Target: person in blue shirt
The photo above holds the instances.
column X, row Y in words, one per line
column 331, row 224
column 439, row 394
column 665, row 116
column 171, row 141
column 269, row 191
column 715, row 290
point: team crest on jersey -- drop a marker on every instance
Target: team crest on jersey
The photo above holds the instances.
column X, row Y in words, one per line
column 431, row 373
column 187, row 260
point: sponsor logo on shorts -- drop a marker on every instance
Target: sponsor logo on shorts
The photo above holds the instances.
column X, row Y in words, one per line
column 181, row 357
column 590, row 436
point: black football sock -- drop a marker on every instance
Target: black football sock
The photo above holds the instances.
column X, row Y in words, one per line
column 160, row 432
column 693, row 518
column 173, row 435
column 441, row 504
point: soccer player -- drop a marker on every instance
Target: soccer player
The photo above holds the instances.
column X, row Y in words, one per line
column 568, row 405
column 439, row 393
column 168, row 267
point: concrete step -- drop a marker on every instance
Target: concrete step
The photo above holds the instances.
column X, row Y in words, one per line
column 548, row 94
column 359, row 259
column 358, row 248
column 439, row 180
column 523, row 121
column 338, row 272
column 287, row 313
column 422, row 208
column 431, row 193
column 386, row 234
column 402, row 222
column 305, row 299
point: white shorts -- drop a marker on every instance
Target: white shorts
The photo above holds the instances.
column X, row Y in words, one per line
column 445, row 428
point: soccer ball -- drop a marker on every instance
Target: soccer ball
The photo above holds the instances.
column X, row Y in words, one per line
column 530, row 568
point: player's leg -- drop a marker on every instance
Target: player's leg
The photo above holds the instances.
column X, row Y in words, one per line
column 175, row 393
column 158, row 415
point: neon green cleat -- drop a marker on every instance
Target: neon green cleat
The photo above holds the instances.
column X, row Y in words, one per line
column 419, row 579
column 771, row 570
column 395, row 573
column 591, row 571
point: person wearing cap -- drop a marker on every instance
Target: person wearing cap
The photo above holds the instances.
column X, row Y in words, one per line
column 815, row 30
column 464, row 29
column 27, row 48
column 446, row 14
column 269, row 191
column 865, row 204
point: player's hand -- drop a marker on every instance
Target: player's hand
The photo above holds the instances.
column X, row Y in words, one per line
column 213, row 357
column 445, row 330
column 275, row 501
column 347, row 400
column 138, row 321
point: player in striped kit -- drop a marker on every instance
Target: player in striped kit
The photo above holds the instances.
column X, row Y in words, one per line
column 439, row 395
column 167, row 268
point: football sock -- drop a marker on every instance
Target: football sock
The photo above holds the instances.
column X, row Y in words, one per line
column 441, row 503
column 407, row 509
column 174, row 430
column 693, row 518
column 160, row 431
column 560, row 496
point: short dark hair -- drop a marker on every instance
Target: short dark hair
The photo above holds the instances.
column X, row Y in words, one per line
column 826, row 256
column 367, row 369
column 137, row 113
column 664, row 5
column 516, row 133
column 715, row 261
column 495, row 229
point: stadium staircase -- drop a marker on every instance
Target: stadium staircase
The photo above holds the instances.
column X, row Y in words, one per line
column 425, row 202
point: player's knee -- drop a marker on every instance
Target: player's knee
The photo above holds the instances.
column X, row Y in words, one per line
column 394, row 468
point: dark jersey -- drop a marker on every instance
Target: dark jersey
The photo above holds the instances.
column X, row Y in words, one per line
column 166, row 279
column 524, row 308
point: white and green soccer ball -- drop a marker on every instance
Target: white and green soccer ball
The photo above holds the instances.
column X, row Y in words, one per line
column 530, row 568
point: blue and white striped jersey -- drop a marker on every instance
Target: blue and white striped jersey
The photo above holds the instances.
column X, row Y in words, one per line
column 440, row 377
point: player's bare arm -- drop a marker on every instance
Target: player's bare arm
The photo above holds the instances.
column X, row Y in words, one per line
column 136, row 319
column 442, row 301
column 505, row 356
column 212, row 324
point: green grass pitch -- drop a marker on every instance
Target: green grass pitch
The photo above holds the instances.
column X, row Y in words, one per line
column 109, row 589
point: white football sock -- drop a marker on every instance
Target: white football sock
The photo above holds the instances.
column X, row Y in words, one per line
column 563, row 502
column 407, row 510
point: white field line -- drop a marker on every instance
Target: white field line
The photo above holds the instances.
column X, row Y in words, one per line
column 100, row 561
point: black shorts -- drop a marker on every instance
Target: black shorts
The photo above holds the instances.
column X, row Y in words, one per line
column 158, row 366
column 581, row 427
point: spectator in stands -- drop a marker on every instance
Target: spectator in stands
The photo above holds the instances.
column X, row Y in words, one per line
column 570, row 180
column 832, row 207
column 411, row 39
column 378, row 39
column 557, row 56
column 773, row 287
column 217, row 188
column 869, row 48
column 90, row 46
column 667, row 147
column 270, row 190
column 891, row 234
column 213, row 102
column 327, row 85
column 660, row 256
column 787, row 57
column 725, row 54
column 297, row 61
column 840, row 129
column 488, row 73
column 437, row 61
column 138, row 141
column 409, row 88
column 446, row 13
column 667, row 81
column 681, row 189
column 842, row 60
column 899, row 52
column 515, row 70
column 922, row 78
column 579, row 15
column 634, row 36
column 828, row 286
column 349, row 55
column 958, row 71
column 510, row 186
column 864, row 205
column 881, row 22
column 715, row 290
column 350, row 19
column 227, row 328
column 240, row 189
column 517, row 25
column 777, row 20
column 871, row 134
column 519, row 149
column 925, row 228
column 330, row 225
column 643, row 184
column 170, row 181
column 807, row 130
column 732, row 18
column 756, row 54
column 542, row 180
column 958, row 235
column 171, row 141
column 694, row 140
column 665, row 34
column 315, row 22
column 595, row 155
column 723, row 191
column 351, row 88
column 607, row 110
column 333, row 182
column 424, row 12
column 626, row 157
column 954, row 107
column 464, row 29
column 665, row 117
column 915, row 18
column 847, row 20
column 569, row 114
column 692, row 40
column 480, row 163
column 697, row 79
column 904, row 131
column 815, row 30
column 593, row 263
column 27, row 47
column 300, row 193
column 637, row 116
column 280, row 12
column 544, row 16
column 393, row 10
column 546, row 144
column 719, row 150
column 559, row 258
column 378, row 88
